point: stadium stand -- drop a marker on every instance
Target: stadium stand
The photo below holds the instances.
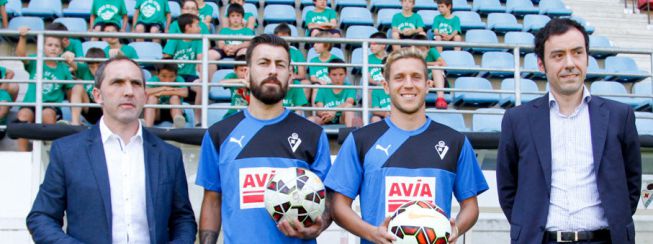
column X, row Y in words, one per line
column 534, row 22
column 526, row 85
column 521, row 7
column 603, row 88
column 469, row 20
column 487, row 122
column 501, row 23
column 485, row 7
column 459, row 59
column 625, row 67
column 554, row 8
column 461, row 5
column 384, row 18
column 275, row 14
column 375, row 5
column 355, row 16
column 497, row 60
column 481, row 36
column 48, row 9
column 78, row 9
column 453, row 120
column 73, row 24
column 476, row 99
column 350, row 3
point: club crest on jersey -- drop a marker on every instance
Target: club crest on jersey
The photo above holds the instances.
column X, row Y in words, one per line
column 441, row 148
column 251, row 184
column 403, row 189
column 294, row 141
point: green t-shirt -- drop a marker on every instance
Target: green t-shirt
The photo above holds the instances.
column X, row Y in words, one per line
column 431, row 56
column 3, row 2
column 238, row 95
column 245, row 18
column 84, row 73
column 446, row 26
column 152, row 11
column 126, row 50
column 297, row 57
column 401, row 22
column 3, row 72
column 75, row 47
column 109, row 11
column 174, row 28
column 329, row 99
column 184, row 50
column 165, row 99
column 375, row 72
column 4, row 97
column 205, row 11
column 325, row 16
column 51, row 92
column 380, row 99
column 239, row 32
column 295, row 97
column 321, row 72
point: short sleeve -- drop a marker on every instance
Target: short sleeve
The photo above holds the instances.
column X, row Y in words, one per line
column 170, row 48
column 375, row 99
column 469, row 180
column 123, row 8
column 319, row 97
column 208, row 170
column 3, row 72
column 166, row 8
column 351, row 93
column 198, row 46
column 456, row 24
column 130, row 52
column 419, row 22
column 322, row 162
column 395, row 20
column 138, row 4
column 346, row 174
column 434, row 54
column 332, row 15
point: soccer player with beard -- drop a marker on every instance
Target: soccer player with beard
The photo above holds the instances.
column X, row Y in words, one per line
column 240, row 153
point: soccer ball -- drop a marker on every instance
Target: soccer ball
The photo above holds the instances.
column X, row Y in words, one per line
column 420, row 222
column 295, row 193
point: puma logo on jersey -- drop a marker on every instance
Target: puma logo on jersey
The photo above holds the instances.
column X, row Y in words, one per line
column 403, row 189
column 441, row 148
column 239, row 141
column 385, row 150
column 294, row 141
column 251, row 184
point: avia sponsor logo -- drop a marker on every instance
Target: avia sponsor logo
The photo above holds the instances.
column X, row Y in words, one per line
column 401, row 189
column 251, row 182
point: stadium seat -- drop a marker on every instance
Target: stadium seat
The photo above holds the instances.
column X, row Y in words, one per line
column 34, row 23
column 459, row 59
column 487, row 6
column 355, row 16
column 279, row 14
column 384, row 18
column 474, row 98
column 526, row 85
column 469, row 20
column 593, row 70
column 215, row 115
column 357, row 58
column 78, row 8
column 600, row 42
column 644, row 123
column 334, row 51
column 280, row 2
column 253, row 2
column 521, row 7
column 148, row 51
column 481, row 36
column 375, row 5
column 535, row 22
column 532, row 70
column 453, row 120
column 48, row 9
column 554, row 8
column 269, row 29
column 427, row 17
column 520, row 38
column 350, row 3
column 497, row 60
column 89, row 44
column 358, row 32
column 73, row 24
column 219, row 93
column 607, row 88
column 305, row 3
column 304, row 13
column 501, row 23
column 131, row 6
column 175, row 9
column 14, row 8
column 588, row 27
column 487, row 122
column 425, row 5
column 625, row 67
column 643, row 88
column 460, row 5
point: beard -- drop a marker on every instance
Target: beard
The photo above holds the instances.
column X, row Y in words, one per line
column 268, row 95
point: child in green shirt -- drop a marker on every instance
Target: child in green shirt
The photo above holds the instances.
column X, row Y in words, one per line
column 229, row 48
column 5, row 96
column 188, row 7
column 405, row 24
column 249, row 20
column 296, row 97
column 3, row 13
column 446, row 26
column 108, row 12
column 335, row 98
column 83, row 93
column 205, row 12
column 172, row 95
column 433, row 58
column 115, row 48
column 151, row 16
column 72, row 45
column 375, row 74
column 239, row 95
column 320, row 74
column 322, row 19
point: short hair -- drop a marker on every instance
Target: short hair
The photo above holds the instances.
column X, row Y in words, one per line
column 266, row 39
column 235, row 8
column 184, row 2
column 100, row 73
column 95, row 52
column 379, row 35
column 282, row 28
column 404, row 53
column 56, row 26
column 557, row 27
column 445, row 2
column 325, row 34
column 186, row 19
column 240, row 58
column 174, row 68
column 105, row 25
column 420, row 37
column 337, row 61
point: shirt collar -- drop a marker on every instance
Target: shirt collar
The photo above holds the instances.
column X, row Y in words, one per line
column 587, row 97
column 107, row 134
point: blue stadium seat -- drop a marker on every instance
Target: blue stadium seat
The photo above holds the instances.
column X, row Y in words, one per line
column 469, row 20
column 487, row 6
column 460, row 5
column 593, row 70
column 481, row 36
column 279, row 14
column 334, row 51
column 453, row 120
column 175, row 9
column 607, row 88
column 253, row 2
column 502, row 23
column 554, row 8
column 357, row 58
column 644, row 123
column 48, row 9
column 535, row 22
column 355, row 16
column 358, row 32
column 146, row 74
column 215, row 115
column 425, row 5
column 280, row 2
column 643, row 88
column 131, row 6
column 73, row 24
column 498, row 60
column 375, row 5
column 350, row 3
column 588, row 28
column 487, row 122
column 625, row 67
column 269, row 29
column 530, row 63
column 34, row 23
column 219, row 93
column 521, row 7
column 89, row 44
column 305, row 3
column 474, row 98
column 384, row 18
column 14, row 8
column 78, row 8
column 600, row 42
column 148, row 50
column 520, row 38
column 459, row 59
column 526, row 85
column 427, row 17
column 216, row 10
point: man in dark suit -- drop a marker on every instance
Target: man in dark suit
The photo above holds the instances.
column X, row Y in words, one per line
column 116, row 183
column 569, row 163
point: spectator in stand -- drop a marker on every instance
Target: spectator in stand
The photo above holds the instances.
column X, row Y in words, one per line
column 3, row 13
column 336, row 98
column 375, row 76
column 205, row 12
column 320, row 74
column 108, row 12
column 433, row 58
column 83, row 93
column 172, row 95
column 406, row 24
column 239, row 95
column 72, row 45
column 322, row 19
column 115, row 48
column 296, row 97
column 11, row 88
column 228, row 48
column 188, row 7
column 52, row 92
column 249, row 20
column 446, row 26
column 5, row 96
column 151, row 16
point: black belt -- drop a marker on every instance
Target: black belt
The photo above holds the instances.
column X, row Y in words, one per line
column 575, row 236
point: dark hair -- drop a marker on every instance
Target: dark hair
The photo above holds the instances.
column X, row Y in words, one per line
column 56, row 26
column 420, row 37
column 95, row 52
column 558, row 27
column 169, row 67
column 266, row 39
column 337, row 61
column 240, row 58
column 282, row 28
column 378, row 35
column 445, row 2
column 235, row 8
column 105, row 25
column 186, row 19
column 99, row 74
column 184, row 2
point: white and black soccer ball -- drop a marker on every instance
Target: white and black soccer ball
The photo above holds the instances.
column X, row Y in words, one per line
column 420, row 222
column 295, row 193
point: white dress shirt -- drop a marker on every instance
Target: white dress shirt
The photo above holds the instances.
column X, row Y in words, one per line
column 126, row 168
column 575, row 204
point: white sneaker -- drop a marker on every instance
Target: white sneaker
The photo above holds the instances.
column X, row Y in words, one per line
column 179, row 121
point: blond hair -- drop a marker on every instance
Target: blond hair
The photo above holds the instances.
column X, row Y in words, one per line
column 404, row 53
